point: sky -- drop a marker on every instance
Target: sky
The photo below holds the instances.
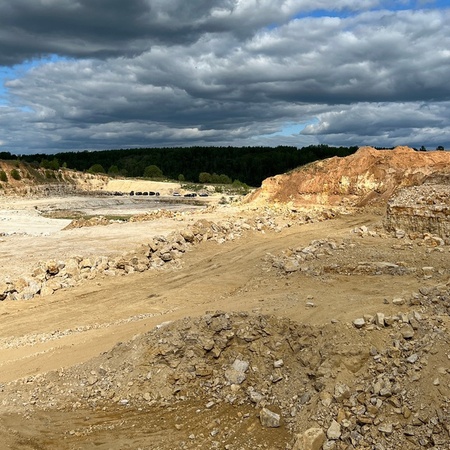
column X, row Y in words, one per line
column 107, row 74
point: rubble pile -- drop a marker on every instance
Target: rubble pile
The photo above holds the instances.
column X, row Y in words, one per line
column 103, row 221
column 157, row 253
column 419, row 210
column 384, row 386
column 347, row 256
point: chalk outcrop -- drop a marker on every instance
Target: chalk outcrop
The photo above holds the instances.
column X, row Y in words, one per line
column 421, row 209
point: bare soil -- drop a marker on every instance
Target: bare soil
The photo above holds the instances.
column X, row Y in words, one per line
column 73, row 326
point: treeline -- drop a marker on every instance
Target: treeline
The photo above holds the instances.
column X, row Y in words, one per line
column 249, row 165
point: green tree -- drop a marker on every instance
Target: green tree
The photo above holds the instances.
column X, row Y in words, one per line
column 224, row 179
column 53, row 164
column 153, row 171
column 45, row 163
column 3, row 176
column 113, row 171
column 215, row 178
column 204, row 177
column 96, row 168
column 440, row 147
column 181, row 178
column 16, row 174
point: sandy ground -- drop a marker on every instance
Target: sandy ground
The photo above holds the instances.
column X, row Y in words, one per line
column 213, row 277
column 91, row 318
column 28, row 236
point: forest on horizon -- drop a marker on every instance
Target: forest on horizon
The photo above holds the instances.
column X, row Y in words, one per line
column 249, row 165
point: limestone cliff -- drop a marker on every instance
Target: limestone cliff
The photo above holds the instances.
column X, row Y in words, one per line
column 20, row 179
column 421, row 209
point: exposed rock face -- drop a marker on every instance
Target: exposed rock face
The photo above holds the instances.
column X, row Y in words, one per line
column 368, row 175
column 421, row 209
column 30, row 180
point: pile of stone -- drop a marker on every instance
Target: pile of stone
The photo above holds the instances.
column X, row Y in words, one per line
column 89, row 222
column 334, row 388
column 408, row 321
column 345, row 257
column 402, row 398
column 235, row 358
column 103, row 221
column 159, row 252
column 364, row 231
column 295, row 259
column 435, row 299
column 302, row 259
column 390, row 406
column 156, row 214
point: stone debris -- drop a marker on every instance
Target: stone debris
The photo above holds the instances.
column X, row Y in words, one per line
column 359, row 323
column 157, row 253
column 421, row 212
column 326, row 257
column 334, row 431
column 331, row 387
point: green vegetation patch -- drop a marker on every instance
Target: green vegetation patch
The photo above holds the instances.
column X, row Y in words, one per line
column 15, row 174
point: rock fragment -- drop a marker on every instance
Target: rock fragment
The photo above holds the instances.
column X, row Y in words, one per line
column 269, row 419
column 311, row 439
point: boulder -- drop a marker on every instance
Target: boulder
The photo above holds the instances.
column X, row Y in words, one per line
column 311, row 439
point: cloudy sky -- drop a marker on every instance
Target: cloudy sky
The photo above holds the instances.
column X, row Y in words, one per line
column 101, row 74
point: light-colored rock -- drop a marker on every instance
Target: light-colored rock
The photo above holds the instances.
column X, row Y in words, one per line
column 334, row 431
column 341, row 392
column 379, row 319
column 386, row 428
column 359, row 323
column 291, row 265
column 398, row 301
column 413, row 358
column 311, row 439
column 236, row 373
column 269, row 419
column 407, row 331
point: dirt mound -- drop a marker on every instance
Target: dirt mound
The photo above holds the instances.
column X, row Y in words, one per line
column 367, row 176
column 383, row 381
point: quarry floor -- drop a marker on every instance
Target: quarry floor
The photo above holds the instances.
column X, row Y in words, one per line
column 233, row 276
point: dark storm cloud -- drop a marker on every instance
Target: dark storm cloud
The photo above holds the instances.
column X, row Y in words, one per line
column 106, row 28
